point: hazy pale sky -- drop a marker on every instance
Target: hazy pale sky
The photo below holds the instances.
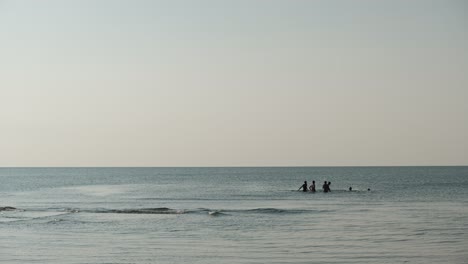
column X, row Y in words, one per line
column 233, row 83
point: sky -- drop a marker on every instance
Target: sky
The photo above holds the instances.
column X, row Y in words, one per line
column 233, row 83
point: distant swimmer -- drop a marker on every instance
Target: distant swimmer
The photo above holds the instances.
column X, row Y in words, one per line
column 350, row 188
column 312, row 187
column 328, row 186
column 368, row 189
column 325, row 186
column 304, row 187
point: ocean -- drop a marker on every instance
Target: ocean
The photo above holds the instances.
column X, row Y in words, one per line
column 234, row 215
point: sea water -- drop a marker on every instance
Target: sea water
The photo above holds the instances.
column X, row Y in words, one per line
column 234, row 215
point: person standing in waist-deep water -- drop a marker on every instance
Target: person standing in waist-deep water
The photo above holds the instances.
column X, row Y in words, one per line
column 328, row 186
column 304, row 187
column 312, row 187
column 325, row 186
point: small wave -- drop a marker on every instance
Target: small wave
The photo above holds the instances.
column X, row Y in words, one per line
column 161, row 210
column 7, row 208
column 216, row 213
column 64, row 211
column 284, row 211
column 263, row 211
column 48, row 213
column 59, row 209
column 271, row 210
column 14, row 217
column 233, row 198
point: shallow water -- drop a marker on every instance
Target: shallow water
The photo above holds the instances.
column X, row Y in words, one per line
column 234, row 215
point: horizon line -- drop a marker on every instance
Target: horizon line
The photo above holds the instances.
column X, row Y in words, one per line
column 274, row 166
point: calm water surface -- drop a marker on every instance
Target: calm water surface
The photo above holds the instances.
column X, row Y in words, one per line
column 233, row 215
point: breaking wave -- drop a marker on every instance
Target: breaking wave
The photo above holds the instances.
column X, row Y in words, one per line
column 30, row 214
column 7, row 208
column 160, row 210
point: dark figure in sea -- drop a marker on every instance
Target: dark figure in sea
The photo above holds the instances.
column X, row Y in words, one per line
column 368, row 189
column 312, row 187
column 328, row 186
column 350, row 188
column 325, row 186
column 304, row 187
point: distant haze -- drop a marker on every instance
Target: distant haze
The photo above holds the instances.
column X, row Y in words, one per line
column 233, row 83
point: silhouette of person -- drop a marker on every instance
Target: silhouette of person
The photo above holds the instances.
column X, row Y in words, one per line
column 350, row 188
column 304, row 187
column 312, row 187
column 325, row 186
column 328, row 186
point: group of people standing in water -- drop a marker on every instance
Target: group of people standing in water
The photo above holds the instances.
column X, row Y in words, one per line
column 325, row 187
